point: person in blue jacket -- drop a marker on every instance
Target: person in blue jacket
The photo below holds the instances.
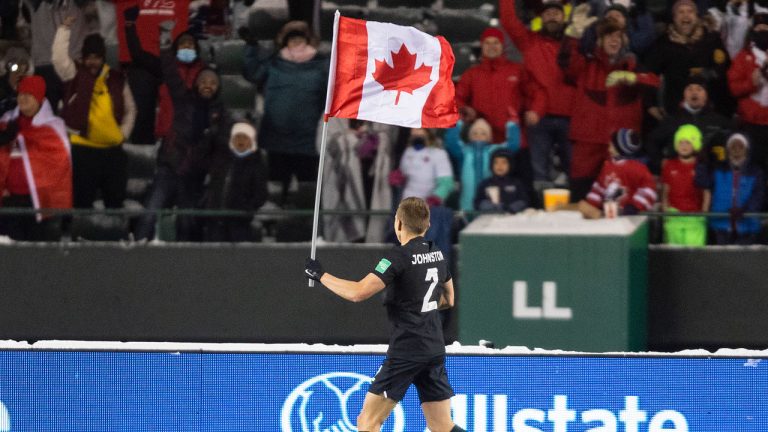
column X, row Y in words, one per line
column 737, row 188
column 473, row 157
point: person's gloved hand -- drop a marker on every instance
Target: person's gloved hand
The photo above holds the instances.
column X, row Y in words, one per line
column 580, row 20
column 620, row 77
column 166, row 38
column 313, row 269
column 131, row 14
column 629, row 210
column 434, row 201
column 396, row 178
column 737, row 213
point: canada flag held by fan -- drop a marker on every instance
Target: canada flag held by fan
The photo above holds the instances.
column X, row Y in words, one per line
column 390, row 74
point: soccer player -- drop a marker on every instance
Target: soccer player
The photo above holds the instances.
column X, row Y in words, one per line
column 419, row 284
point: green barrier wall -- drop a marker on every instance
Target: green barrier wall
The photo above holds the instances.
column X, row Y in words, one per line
column 574, row 291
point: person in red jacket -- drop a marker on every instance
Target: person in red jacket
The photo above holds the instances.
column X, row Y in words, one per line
column 497, row 89
column 609, row 95
column 748, row 82
column 35, row 165
column 547, row 125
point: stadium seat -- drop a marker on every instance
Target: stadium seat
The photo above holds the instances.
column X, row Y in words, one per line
column 228, row 56
column 400, row 16
column 468, row 4
column 466, row 54
column 460, row 26
column 405, row 3
column 237, row 93
column 264, row 24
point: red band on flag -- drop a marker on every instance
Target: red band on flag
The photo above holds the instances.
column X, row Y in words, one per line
column 352, row 63
column 440, row 109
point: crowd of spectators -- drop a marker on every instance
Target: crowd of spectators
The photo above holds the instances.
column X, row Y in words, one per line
column 632, row 110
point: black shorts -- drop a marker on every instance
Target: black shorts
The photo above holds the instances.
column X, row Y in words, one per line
column 396, row 375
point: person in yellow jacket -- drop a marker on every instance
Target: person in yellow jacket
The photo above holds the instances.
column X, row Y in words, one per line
column 99, row 112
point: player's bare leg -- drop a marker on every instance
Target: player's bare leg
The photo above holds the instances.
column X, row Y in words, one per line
column 376, row 409
column 438, row 416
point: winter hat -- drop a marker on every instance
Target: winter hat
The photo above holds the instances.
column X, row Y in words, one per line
column 737, row 137
column 492, row 32
column 94, row 44
column 546, row 4
column 690, row 133
column 697, row 79
column 680, row 3
column 481, row 125
column 619, row 8
column 626, row 142
column 16, row 56
column 246, row 129
column 33, row 85
column 506, row 153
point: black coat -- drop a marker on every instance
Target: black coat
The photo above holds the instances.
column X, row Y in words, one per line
column 237, row 183
column 513, row 196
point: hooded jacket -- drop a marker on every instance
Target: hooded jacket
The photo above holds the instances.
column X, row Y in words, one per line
column 200, row 126
column 752, row 100
column 513, row 196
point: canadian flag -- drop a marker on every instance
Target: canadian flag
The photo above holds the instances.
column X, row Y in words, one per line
column 390, row 74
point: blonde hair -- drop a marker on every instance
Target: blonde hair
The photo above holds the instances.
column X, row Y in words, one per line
column 413, row 213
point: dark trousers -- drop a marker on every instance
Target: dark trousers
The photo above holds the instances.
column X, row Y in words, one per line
column 97, row 170
column 550, row 135
column 25, row 227
column 283, row 166
column 170, row 189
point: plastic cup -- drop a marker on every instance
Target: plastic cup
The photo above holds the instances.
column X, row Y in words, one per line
column 554, row 198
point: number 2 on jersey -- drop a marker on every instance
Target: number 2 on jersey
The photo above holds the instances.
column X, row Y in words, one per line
column 431, row 276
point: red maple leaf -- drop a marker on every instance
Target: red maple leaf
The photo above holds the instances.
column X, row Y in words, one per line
column 403, row 75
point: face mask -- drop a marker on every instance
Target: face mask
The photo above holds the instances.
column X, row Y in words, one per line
column 242, row 154
column 760, row 38
column 418, row 143
column 186, row 55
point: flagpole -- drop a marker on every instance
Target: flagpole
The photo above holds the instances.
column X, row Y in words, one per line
column 318, row 190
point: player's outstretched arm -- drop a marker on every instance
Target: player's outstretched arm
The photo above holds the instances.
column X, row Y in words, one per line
column 355, row 291
column 447, row 297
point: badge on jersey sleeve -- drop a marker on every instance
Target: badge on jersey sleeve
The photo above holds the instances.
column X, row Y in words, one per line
column 383, row 265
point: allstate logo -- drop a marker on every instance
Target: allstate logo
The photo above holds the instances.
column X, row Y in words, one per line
column 322, row 403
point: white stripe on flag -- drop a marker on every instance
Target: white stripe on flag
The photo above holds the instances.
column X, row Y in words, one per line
column 378, row 104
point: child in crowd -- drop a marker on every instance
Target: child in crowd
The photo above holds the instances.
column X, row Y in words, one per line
column 501, row 191
column 737, row 187
column 473, row 157
column 680, row 194
column 238, row 181
column 622, row 181
column 425, row 171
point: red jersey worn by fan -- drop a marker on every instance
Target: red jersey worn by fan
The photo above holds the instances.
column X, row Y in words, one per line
column 683, row 193
column 626, row 181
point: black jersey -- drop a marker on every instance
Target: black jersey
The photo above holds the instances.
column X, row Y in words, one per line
column 415, row 274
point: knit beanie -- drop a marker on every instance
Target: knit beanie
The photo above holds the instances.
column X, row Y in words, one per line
column 626, row 142
column 248, row 130
column 680, row 3
column 33, row 85
column 481, row 124
column 697, row 79
column 492, row 32
column 737, row 137
column 94, row 44
column 690, row 133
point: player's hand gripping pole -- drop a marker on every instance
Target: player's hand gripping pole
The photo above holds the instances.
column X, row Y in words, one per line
column 318, row 191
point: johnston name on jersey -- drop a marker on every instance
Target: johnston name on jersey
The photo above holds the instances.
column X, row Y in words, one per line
column 414, row 274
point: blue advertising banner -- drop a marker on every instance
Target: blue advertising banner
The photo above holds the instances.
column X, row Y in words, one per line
column 75, row 391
